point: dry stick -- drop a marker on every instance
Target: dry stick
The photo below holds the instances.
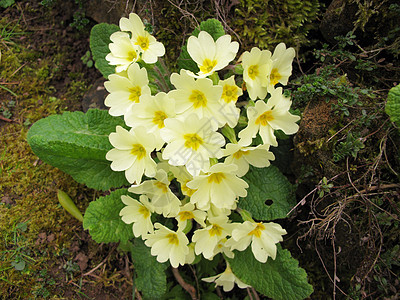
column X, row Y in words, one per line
column 187, row 287
column 5, row 119
column 100, row 264
column 249, row 294
column 255, row 294
column 326, row 271
column 137, row 294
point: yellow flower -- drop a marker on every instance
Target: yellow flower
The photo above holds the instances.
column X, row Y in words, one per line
column 226, row 279
column 257, row 66
column 138, row 213
column 211, row 55
column 168, row 245
column 191, row 143
column 262, row 236
column 220, row 186
column 126, row 91
column 123, row 51
column 264, row 118
column 132, row 153
column 230, row 94
column 281, row 66
column 149, row 48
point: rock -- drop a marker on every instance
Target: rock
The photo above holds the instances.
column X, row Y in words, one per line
column 94, row 98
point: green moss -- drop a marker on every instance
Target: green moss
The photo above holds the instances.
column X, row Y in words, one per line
column 266, row 23
column 28, row 186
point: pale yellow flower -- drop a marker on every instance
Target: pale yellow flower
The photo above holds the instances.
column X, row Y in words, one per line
column 198, row 97
column 226, row 279
column 262, row 236
column 230, row 94
column 257, row 65
column 281, row 66
column 189, row 212
column 138, row 213
column 211, row 55
column 164, row 201
column 151, row 113
column 126, row 91
column 207, row 239
column 132, row 153
column 219, row 186
column 243, row 156
column 123, row 51
column 167, row 244
column 191, row 143
column 264, row 118
column 149, row 48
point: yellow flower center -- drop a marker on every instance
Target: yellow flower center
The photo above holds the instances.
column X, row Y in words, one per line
column 139, row 151
column 172, row 238
column 253, row 71
column 216, row 177
column 229, row 93
column 275, row 76
column 132, row 55
column 187, row 191
column 162, row 186
column 258, row 230
column 239, row 154
column 185, row 215
column 192, row 140
column 143, row 42
column 144, row 211
column 264, row 118
column 198, row 99
column 208, row 65
column 136, row 92
column 215, row 230
column 159, row 117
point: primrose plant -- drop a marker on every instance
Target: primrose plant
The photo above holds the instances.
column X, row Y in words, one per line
column 193, row 148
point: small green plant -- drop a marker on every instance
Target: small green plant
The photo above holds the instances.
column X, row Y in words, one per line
column 324, row 187
column 350, row 147
column 87, row 60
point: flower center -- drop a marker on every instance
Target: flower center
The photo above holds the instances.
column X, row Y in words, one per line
column 229, row 93
column 139, row 151
column 136, row 92
column 253, row 71
column 144, row 211
column 172, row 238
column 143, row 42
column 198, row 99
column 187, row 191
column 275, row 76
column 215, row 230
column 264, row 118
column 258, row 230
column 159, row 117
column 162, row 186
column 208, row 65
column 185, row 215
column 192, row 140
column 132, row 55
column 239, row 154
column 216, row 177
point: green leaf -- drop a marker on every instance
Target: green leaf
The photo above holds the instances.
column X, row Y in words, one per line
column 99, row 41
column 392, row 107
column 266, row 185
column 151, row 279
column 6, row 3
column 103, row 220
column 281, row 278
column 77, row 143
column 214, row 28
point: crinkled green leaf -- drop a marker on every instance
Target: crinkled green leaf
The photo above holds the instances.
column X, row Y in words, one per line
column 281, row 278
column 267, row 185
column 158, row 75
column 77, row 143
column 103, row 221
column 214, row 28
column 151, row 279
column 6, row 3
column 392, row 107
column 99, row 41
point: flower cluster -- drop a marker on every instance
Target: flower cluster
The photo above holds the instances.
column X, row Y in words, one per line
column 184, row 143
